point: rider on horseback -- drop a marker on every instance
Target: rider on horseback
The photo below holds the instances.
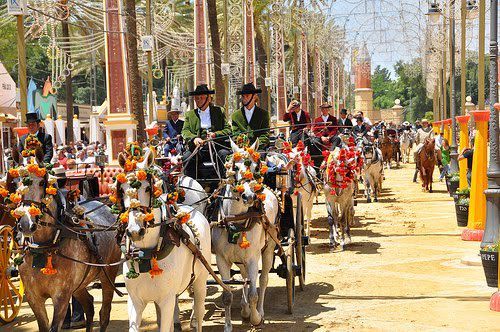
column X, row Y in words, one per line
column 422, row 134
column 250, row 119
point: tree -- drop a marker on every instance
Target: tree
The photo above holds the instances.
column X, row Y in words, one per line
column 133, row 68
column 383, row 88
column 216, row 50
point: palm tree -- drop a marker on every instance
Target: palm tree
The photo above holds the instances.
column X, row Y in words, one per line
column 216, row 50
column 133, row 68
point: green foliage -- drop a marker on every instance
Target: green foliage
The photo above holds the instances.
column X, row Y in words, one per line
column 383, row 88
column 429, row 115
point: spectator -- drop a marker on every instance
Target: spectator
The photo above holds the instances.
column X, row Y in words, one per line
column 445, row 159
column 366, row 121
column 344, row 121
column 90, row 157
column 467, row 153
column 62, row 159
column 299, row 121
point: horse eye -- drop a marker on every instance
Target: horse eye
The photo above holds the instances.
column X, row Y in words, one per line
column 148, row 189
column 42, row 183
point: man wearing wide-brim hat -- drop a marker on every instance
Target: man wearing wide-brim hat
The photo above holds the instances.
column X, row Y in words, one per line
column 206, row 121
column 250, row 119
column 325, row 128
column 173, row 129
column 34, row 129
column 422, row 134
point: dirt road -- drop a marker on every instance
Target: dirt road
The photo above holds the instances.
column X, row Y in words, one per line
column 403, row 271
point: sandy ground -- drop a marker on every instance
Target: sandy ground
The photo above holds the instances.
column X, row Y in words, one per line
column 403, row 271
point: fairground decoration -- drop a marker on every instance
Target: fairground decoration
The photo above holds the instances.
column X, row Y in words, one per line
column 342, row 165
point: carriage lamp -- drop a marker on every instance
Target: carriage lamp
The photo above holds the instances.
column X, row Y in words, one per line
column 100, row 161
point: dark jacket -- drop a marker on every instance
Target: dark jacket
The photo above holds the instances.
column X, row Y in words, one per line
column 257, row 128
column 192, row 126
column 172, row 129
column 347, row 123
column 359, row 130
column 47, row 146
column 297, row 124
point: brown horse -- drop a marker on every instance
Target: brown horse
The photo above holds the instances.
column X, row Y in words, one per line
column 387, row 148
column 427, row 158
column 58, row 253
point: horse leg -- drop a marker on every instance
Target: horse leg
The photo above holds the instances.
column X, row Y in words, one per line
column 330, row 206
column 375, row 191
column 107, row 297
column 267, row 264
column 87, row 302
column 60, row 307
column 227, row 297
column 200, row 293
column 430, row 183
column 367, row 190
column 245, row 306
column 167, row 307
column 135, row 308
column 37, row 305
column 349, row 220
column 253, row 295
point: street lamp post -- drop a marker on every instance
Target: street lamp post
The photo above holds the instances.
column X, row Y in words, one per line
column 453, row 145
column 493, row 191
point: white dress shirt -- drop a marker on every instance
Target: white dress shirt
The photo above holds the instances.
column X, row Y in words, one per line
column 205, row 121
column 325, row 118
column 298, row 115
column 367, row 121
column 249, row 113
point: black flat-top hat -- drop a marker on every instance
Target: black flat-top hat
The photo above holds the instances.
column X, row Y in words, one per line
column 325, row 105
column 32, row 117
column 201, row 89
column 248, row 89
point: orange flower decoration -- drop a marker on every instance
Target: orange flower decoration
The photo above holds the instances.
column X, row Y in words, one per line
column 149, row 217
column 157, row 193
column 250, row 151
column 261, row 197
column 49, row 269
column 124, row 217
column 248, row 175
column 141, row 175
column 14, row 173
column 130, row 165
column 15, row 198
column 121, row 177
column 258, row 187
column 263, row 169
column 51, row 191
column 113, row 199
column 4, row 192
column 240, row 188
column 32, row 168
column 184, row 219
column 237, row 156
column 40, row 172
column 244, row 244
column 34, row 211
column 155, row 269
column 256, row 156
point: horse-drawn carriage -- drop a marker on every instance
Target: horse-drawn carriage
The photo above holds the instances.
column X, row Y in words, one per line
column 289, row 260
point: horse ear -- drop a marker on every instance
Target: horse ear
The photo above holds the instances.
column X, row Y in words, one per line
column 234, row 146
column 121, row 160
column 16, row 156
column 150, row 158
column 39, row 155
column 255, row 145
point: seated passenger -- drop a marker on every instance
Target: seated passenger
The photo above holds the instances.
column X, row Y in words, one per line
column 250, row 119
column 299, row 120
column 325, row 128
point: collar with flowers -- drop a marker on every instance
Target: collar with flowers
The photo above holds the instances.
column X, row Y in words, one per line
column 344, row 162
column 30, row 145
column 134, row 154
column 255, row 179
column 301, row 159
column 25, row 174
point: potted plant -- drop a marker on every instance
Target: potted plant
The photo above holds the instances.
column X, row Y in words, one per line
column 461, row 193
column 489, row 258
column 452, row 183
column 462, row 211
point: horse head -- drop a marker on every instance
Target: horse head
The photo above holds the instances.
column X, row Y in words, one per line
column 137, row 191
column 246, row 172
column 31, row 196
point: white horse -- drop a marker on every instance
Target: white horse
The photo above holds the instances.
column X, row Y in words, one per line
column 373, row 169
column 304, row 182
column 339, row 201
column 174, row 273
column 406, row 144
column 240, row 197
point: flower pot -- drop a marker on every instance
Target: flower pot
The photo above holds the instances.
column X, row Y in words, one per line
column 462, row 212
column 452, row 187
column 457, row 197
column 490, row 266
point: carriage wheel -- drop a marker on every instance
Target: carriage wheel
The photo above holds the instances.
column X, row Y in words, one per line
column 300, row 249
column 290, row 271
column 11, row 296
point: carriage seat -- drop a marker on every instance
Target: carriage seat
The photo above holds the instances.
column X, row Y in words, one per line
column 109, row 173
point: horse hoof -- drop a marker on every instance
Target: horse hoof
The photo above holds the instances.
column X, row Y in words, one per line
column 368, row 200
column 376, row 199
column 177, row 327
column 430, row 190
column 260, row 323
